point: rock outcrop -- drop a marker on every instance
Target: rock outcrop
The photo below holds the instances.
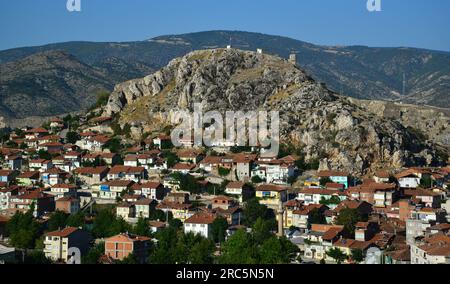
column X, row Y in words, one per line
column 339, row 132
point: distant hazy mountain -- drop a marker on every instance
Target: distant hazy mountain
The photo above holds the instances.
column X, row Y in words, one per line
column 360, row 72
column 48, row 83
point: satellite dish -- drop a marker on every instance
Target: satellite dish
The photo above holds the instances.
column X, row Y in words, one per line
column 373, row 256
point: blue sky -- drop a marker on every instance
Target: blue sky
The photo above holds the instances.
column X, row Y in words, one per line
column 415, row 23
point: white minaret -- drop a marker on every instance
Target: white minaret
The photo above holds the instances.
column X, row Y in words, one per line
column 280, row 213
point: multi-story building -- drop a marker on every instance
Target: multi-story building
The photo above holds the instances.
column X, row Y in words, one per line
column 122, row 246
column 143, row 207
column 434, row 249
column 69, row 205
column 271, row 195
column 199, row 224
column 111, row 190
column 58, row 243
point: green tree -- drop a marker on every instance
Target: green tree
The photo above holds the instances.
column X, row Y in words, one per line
column 316, row 217
column 142, row 228
column 337, row 255
column 44, row 155
column 357, row 255
column 76, row 220
column 334, row 200
column 130, row 259
column 426, row 182
column 187, row 183
column 219, row 229
column 23, row 230
column 36, row 257
column 224, row 172
column 239, row 249
column 325, row 180
column 261, row 231
column 57, row 221
column 201, row 252
column 176, row 224
column 94, row 254
column 164, row 252
column 256, row 180
column 114, row 145
column 253, row 210
column 159, row 215
column 348, row 218
column 72, row 137
column 276, row 251
column 106, row 225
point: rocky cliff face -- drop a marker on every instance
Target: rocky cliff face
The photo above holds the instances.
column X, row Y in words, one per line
column 339, row 132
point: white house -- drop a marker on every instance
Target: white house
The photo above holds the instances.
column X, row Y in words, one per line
column 199, row 224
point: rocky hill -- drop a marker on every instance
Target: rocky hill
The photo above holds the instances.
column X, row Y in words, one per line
column 340, row 132
column 48, row 83
column 359, row 72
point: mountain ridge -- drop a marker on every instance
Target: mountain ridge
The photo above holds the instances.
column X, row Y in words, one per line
column 355, row 71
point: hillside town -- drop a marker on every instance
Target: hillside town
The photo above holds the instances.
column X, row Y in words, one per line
column 71, row 193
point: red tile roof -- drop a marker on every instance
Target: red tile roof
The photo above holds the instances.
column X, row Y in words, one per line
column 62, row 233
column 201, row 218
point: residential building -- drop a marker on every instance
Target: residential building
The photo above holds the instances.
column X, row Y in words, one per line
column 114, row 189
column 179, row 211
column 92, row 175
column 431, row 250
column 28, row 178
column 153, row 190
column 336, row 176
column 239, row 189
column 63, row 190
column 58, row 243
column 126, row 210
column 143, row 207
column 199, row 224
column 69, row 205
column 43, row 203
column 123, row 245
column 271, row 195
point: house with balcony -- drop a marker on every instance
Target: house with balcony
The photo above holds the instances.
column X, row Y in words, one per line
column 240, row 190
column 329, row 197
column 152, row 190
column 126, row 210
column 181, row 211
column 272, row 195
column 40, row 165
column 57, row 244
column 111, row 190
column 63, row 190
column 143, row 207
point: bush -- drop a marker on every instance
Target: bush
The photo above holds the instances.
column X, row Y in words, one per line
column 102, row 100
